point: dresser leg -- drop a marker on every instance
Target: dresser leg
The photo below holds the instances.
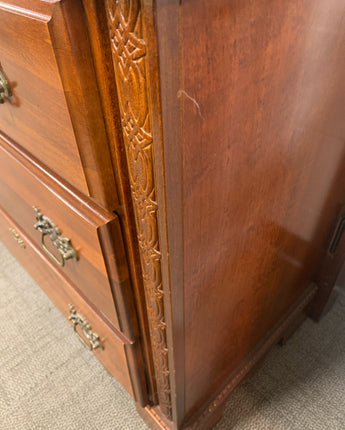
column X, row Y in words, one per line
column 322, row 303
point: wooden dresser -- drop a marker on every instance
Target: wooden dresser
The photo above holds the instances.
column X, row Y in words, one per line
column 172, row 175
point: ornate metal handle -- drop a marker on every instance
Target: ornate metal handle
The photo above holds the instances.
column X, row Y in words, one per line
column 17, row 238
column 62, row 244
column 5, row 89
column 92, row 340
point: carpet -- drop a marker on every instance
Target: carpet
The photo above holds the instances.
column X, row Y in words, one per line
column 49, row 381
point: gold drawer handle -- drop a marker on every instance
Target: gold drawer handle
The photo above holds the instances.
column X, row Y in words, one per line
column 5, row 89
column 92, row 340
column 62, row 244
column 17, row 238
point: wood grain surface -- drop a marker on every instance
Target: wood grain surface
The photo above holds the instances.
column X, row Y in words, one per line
column 99, row 37
column 253, row 108
column 216, row 132
column 37, row 115
column 55, row 111
column 55, row 285
column 21, row 189
column 127, row 38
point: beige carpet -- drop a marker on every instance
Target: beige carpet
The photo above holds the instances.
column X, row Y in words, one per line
column 49, row 381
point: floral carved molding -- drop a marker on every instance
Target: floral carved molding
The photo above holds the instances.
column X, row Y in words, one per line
column 129, row 57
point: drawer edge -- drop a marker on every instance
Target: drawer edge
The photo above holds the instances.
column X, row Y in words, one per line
column 37, row 274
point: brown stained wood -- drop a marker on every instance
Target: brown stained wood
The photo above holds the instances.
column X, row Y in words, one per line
column 55, row 110
column 169, row 232
column 263, row 147
column 29, row 7
column 131, row 75
column 101, row 49
column 55, row 285
column 222, row 125
column 74, row 58
column 169, row 187
column 330, row 267
column 153, row 418
column 37, row 116
column 103, row 272
column 214, row 407
column 23, row 190
column 256, row 91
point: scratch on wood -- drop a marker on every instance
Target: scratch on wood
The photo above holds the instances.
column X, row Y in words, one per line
column 183, row 92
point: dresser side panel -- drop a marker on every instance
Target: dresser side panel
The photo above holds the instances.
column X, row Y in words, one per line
column 263, row 167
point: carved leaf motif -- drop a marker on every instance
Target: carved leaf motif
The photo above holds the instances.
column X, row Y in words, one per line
column 129, row 54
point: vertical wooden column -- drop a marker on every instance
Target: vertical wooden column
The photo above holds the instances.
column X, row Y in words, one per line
column 130, row 64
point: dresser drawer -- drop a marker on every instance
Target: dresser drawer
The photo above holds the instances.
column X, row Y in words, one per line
column 54, row 111
column 36, row 116
column 110, row 348
column 88, row 227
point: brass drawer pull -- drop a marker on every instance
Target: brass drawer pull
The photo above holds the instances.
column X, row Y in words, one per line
column 5, row 89
column 62, row 244
column 17, row 238
column 92, row 340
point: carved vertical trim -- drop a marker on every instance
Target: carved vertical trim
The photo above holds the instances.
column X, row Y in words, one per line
column 129, row 55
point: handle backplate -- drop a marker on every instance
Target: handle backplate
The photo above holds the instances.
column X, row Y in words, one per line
column 17, row 237
column 5, row 89
column 61, row 243
column 90, row 339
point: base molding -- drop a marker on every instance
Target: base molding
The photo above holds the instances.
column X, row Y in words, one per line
column 153, row 418
column 212, row 412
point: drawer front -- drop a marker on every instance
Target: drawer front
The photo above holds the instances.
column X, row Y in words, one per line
column 55, row 111
column 114, row 352
column 36, row 116
column 22, row 187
